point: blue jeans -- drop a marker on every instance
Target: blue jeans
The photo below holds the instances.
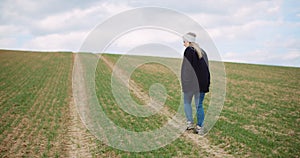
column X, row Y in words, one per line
column 198, row 97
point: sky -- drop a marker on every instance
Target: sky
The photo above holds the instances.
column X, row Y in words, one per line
column 249, row 31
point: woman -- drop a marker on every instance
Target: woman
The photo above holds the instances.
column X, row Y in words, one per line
column 195, row 80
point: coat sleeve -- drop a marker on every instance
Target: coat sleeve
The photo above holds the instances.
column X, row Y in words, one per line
column 187, row 62
column 205, row 57
column 187, row 70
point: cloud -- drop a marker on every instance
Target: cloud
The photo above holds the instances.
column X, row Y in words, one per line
column 144, row 36
column 56, row 42
column 69, row 20
column 10, row 36
column 290, row 58
column 9, row 30
column 78, row 18
column 16, row 10
column 252, row 30
column 292, row 55
column 47, row 29
column 241, row 30
column 240, row 20
column 279, row 49
column 8, row 42
column 283, row 42
column 256, row 56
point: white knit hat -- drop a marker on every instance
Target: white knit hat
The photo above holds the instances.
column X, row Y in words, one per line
column 190, row 37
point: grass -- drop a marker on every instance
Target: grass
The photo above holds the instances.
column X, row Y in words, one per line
column 260, row 117
column 137, row 124
column 34, row 91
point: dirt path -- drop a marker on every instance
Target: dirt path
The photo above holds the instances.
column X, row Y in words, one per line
column 201, row 142
column 81, row 143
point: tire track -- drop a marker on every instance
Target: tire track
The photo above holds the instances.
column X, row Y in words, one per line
column 80, row 143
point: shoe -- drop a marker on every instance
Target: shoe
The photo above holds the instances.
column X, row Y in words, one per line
column 189, row 125
column 199, row 130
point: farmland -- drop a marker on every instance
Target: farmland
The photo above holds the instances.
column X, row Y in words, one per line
column 260, row 116
column 34, row 103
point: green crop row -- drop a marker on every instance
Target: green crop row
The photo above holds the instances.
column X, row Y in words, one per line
column 34, row 94
column 180, row 147
column 260, row 116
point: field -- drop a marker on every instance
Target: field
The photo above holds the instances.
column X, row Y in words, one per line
column 34, row 109
column 38, row 118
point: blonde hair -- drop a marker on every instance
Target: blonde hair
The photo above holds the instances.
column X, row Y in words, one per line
column 195, row 45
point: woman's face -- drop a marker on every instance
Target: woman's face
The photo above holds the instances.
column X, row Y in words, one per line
column 186, row 43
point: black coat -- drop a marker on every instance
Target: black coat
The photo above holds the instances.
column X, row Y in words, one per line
column 195, row 75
